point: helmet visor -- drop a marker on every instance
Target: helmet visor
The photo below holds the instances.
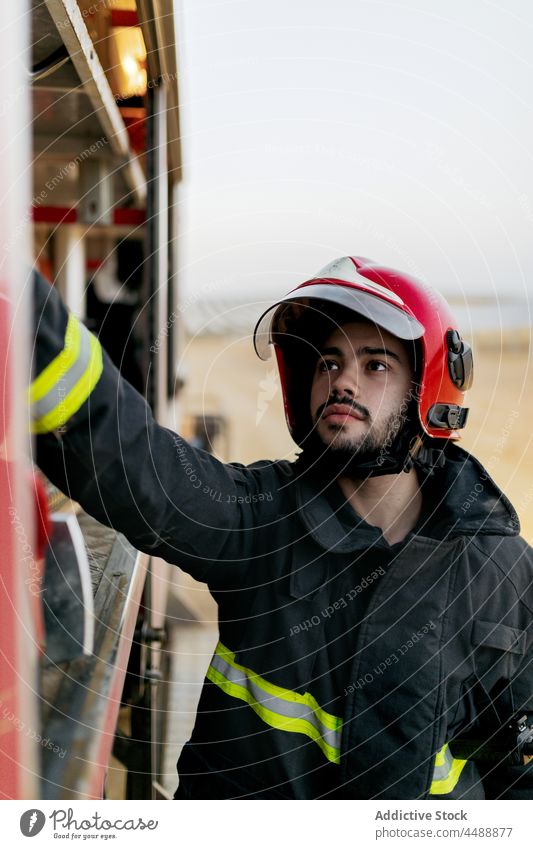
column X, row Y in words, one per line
column 375, row 309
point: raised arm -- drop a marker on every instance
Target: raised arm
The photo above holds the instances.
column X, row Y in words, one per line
column 98, row 442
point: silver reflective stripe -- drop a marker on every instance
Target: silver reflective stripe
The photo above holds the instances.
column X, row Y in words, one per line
column 443, row 770
column 282, row 707
column 446, row 772
column 67, row 381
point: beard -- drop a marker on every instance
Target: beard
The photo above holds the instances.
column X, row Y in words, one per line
column 358, row 457
column 375, row 439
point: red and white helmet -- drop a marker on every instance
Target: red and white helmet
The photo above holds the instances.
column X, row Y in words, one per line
column 398, row 303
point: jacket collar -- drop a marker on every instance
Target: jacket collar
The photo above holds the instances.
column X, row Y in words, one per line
column 460, row 499
column 470, row 502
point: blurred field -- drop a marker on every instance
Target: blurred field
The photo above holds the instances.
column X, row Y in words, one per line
column 225, row 378
column 499, row 430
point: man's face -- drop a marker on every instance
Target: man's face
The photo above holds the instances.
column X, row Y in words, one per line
column 361, row 388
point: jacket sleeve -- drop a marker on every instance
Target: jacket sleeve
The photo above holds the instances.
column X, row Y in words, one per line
column 508, row 782
column 516, row 782
column 98, row 442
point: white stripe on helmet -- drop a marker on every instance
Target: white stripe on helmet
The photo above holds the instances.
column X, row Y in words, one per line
column 344, row 269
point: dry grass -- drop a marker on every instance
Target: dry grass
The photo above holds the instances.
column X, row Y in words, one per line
column 499, row 428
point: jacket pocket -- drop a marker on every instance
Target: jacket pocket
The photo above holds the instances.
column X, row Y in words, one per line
column 498, row 636
column 498, row 651
column 476, row 707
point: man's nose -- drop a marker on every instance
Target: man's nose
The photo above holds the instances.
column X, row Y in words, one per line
column 346, row 382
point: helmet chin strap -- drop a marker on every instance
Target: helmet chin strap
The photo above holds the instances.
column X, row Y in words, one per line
column 409, row 448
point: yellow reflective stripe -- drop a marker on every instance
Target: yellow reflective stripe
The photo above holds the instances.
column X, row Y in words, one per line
column 330, row 721
column 448, row 782
column 440, row 757
column 71, row 403
column 446, row 785
column 275, row 720
column 55, row 370
column 277, row 696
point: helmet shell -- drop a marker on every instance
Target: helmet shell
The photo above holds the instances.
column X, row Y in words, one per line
column 398, row 303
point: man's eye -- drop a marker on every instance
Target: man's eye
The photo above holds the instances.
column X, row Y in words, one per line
column 377, row 365
column 327, row 365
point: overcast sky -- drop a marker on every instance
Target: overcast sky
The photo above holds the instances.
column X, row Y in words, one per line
column 401, row 131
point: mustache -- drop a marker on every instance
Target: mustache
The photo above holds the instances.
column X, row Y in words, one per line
column 346, row 401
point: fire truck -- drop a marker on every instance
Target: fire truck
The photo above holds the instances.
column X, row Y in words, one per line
column 90, row 166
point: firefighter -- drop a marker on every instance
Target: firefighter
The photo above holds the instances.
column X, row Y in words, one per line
column 375, row 597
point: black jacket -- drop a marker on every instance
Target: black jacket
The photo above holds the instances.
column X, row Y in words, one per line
column 444, row 643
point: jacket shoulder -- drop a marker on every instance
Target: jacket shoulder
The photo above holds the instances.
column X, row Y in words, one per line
column 504, row 550
column 274, row 471
column 283, row 469
column 262, row 481
column 511, row 556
